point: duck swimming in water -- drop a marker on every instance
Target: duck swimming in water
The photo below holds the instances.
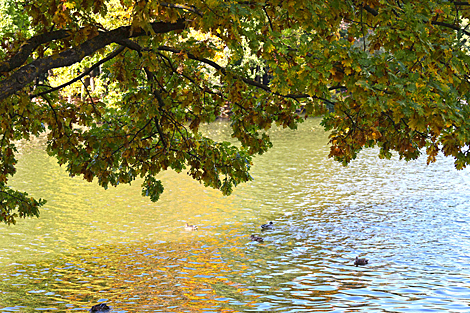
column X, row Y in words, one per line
column 102, row 307
column 190, row 227
column 267, row 226
column 358, row 261
column 256, row 238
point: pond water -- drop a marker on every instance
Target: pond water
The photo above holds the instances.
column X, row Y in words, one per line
column 92, row 245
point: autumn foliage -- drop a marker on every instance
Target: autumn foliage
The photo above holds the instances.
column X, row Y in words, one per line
column 391, row 74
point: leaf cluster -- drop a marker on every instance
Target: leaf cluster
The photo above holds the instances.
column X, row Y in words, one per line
column 391, row 74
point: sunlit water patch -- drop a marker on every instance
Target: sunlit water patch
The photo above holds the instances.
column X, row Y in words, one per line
column 90, row 245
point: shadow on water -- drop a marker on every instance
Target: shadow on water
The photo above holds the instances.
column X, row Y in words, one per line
column 91, row 245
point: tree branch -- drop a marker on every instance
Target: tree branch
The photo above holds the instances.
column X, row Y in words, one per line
column 454, row 27
column 370, row 10
column 245, row 80
column 29, row 46
column 269, row 18
column 107, row 58
column 190, row 8
column 27, row 73
column 214, row 65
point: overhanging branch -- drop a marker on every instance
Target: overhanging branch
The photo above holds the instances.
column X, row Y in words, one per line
column 29, row 46
column 451, row 26
column 27, row 73
column 245, row 80
column 370, row 10
column 107, row 58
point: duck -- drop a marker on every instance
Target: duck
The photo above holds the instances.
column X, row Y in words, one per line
column 102, row 307
column 267, row 226
column 358, row 261
column 256, row 238
column 190, row 227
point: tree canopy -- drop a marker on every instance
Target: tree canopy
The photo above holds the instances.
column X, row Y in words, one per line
column 392, row 74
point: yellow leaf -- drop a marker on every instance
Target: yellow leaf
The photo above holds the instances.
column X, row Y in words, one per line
column 347, row 62
column 69, row 5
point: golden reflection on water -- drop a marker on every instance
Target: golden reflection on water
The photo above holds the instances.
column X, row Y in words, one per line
column 92, row 245
column 148, row 276
column 89, row 241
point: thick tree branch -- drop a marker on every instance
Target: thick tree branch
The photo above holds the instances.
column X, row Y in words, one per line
column 29, row 46
column 27, row 73
column 131, row 45
column 370, row 10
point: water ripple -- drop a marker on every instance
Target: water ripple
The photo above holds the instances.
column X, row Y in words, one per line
column 89, row 246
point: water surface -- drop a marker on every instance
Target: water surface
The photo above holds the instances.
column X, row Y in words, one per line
column 92, row 245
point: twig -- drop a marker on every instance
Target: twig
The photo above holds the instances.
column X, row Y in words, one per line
column 107, row 58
